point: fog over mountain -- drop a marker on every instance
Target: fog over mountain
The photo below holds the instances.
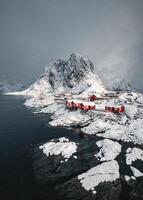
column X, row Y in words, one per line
column 109, row 33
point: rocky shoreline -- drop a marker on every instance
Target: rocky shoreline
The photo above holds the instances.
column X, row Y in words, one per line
column 63, row 176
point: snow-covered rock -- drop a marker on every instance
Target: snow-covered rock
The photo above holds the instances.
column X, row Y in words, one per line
column 129, row 97
column 69, row 118
column 51, row 108
column 140, row 99
column 131, row 111
column 107, row 171
column 136, row 172
column 95, row 127
column 63, row 146
column 39, row 88
column 127, row 178
column 132, row 132
column 39, row 102
column 133, row 154
column 109, row 150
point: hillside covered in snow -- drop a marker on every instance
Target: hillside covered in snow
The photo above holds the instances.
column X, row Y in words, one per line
column 6, row 87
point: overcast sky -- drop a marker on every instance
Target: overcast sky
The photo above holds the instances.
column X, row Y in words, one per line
column 36, row 32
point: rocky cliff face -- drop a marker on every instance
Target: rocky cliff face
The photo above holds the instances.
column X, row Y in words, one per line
column 70, row 73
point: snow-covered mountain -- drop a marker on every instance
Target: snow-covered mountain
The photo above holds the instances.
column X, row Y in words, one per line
column 6, row 87
column 121, row 85
column 75, row 75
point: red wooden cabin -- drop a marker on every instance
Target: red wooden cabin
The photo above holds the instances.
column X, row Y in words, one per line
column 80, row 105
column 122, row 109
column 93, row 98
column 115, row 109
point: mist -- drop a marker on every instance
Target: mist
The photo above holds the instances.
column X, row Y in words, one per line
column 109, row 33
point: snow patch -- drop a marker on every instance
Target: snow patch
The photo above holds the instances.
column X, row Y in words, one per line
column 69, row 118
column 95, row 127
column 51, row 108
column 132, row 132
column 109, row 150
column 136, row 172
column 127, row 178
column 131, row 111
column 133, row 154
column 63, row 146
column 107, row 171
column 39, row 102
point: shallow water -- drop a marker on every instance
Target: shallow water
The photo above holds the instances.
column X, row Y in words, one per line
column 20, row 132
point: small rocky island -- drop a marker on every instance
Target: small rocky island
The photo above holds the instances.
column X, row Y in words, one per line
column 107, row 162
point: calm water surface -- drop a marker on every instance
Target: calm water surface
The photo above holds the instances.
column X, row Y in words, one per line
column 20, row 132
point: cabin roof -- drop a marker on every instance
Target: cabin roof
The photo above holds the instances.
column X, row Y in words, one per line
column 86, row 103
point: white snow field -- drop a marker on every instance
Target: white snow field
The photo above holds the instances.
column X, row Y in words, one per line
column 63, row 146
column 107, row 171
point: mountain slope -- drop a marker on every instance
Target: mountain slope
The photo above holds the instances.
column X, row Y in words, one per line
column 121, row 85
column 10, row 86
column 75, row 75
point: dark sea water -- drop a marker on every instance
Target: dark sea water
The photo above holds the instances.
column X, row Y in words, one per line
column 20, row 132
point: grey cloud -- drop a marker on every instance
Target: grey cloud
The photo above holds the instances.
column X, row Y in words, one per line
column 34, row 33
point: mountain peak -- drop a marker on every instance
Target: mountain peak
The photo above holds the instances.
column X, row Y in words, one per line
column 75, row 56
column 78, row 57
column 73, row 75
